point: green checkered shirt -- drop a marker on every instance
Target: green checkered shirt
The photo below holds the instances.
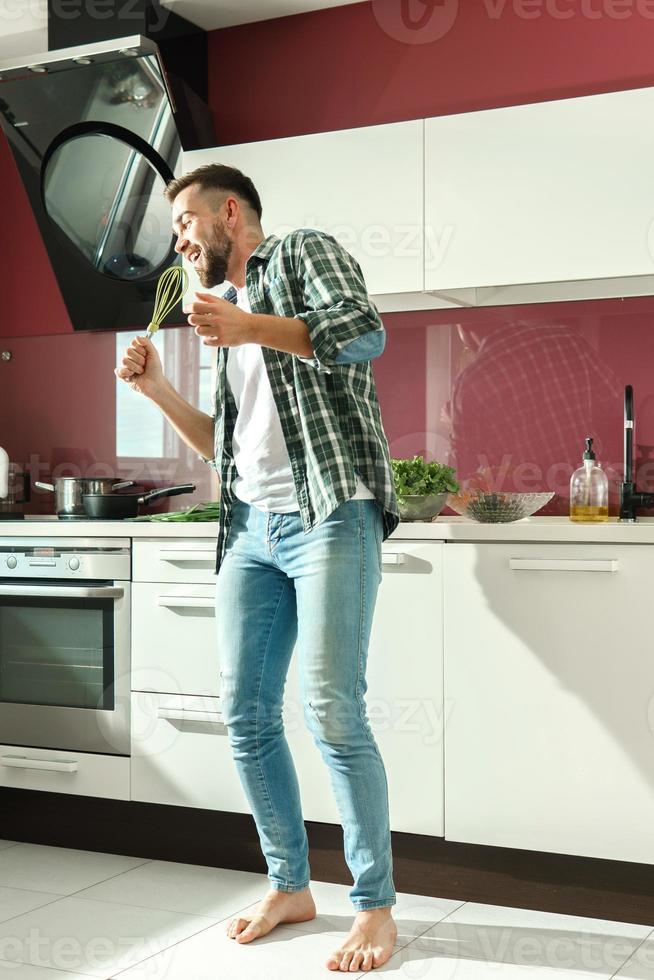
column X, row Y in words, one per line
column 329, row 411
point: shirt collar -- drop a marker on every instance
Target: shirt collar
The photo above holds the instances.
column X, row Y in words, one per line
column 263, row 251
column 265, row 248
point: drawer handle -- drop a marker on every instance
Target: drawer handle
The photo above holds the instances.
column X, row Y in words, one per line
column 170, row 555
column 22, row 762
column 188, row 714
column 564, row 564
column 392, row 558
column 186, row 602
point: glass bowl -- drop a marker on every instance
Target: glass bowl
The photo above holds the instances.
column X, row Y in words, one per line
column 497, row 507
column 417, row 507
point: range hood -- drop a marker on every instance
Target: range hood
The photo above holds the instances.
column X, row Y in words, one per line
column 96, row 131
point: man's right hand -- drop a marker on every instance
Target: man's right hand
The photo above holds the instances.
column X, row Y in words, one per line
column 141, row 367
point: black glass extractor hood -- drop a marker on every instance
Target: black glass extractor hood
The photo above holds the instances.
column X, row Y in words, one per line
column 94, row 134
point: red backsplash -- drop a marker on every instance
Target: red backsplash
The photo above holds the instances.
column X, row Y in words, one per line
column 514, row 388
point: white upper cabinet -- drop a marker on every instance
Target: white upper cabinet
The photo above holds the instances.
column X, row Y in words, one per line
column 556, row 193
column 363, row 186
column 533, row 203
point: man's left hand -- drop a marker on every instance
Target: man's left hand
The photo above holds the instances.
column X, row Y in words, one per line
column 220, row 323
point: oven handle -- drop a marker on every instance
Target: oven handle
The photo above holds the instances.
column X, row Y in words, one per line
column 62, row 591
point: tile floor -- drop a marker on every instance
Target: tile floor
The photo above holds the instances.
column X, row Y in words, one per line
column 68, row 914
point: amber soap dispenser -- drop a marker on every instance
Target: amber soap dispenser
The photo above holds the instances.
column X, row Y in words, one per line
column 589, row 490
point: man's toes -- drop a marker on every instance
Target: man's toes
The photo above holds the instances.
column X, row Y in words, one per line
column 251, row 931
column 367, row 960
column 236, row 926
column 346, row 960
column 334, row 961
column 380, row 956
column 355, row 963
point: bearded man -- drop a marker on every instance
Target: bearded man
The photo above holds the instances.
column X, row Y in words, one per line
column 307, row 497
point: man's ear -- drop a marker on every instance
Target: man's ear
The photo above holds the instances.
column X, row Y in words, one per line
column 232, row 206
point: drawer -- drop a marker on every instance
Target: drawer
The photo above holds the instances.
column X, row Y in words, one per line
column 174, row 560
column 174, row 639
column 61, row 771
column 181, row 753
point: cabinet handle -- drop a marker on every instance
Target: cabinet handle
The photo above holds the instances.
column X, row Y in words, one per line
column 188, row 714
column 186, row 602
column 169, row 554
column 22, row 762
column 62, row 591
column 392, row 558
column 564, row 564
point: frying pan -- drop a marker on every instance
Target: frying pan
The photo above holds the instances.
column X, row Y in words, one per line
column 116, row 506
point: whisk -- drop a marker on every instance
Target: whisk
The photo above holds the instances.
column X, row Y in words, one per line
column 170, row 289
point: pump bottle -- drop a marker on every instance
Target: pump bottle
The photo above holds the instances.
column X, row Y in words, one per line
column 589, row 490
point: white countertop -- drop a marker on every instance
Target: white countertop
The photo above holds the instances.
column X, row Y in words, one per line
column 554, row 529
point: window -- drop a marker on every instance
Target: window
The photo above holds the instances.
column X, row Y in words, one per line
column 141, row 430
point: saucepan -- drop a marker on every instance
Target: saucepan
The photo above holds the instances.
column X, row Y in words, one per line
column 116, row 506
column 68, row 491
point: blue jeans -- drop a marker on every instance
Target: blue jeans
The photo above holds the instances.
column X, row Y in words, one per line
column 278, row 585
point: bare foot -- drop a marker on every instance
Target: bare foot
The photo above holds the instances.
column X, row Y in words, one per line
column 274, row 908
column 369, row 943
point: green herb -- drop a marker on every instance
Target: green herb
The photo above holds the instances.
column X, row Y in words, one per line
column 415, row 477
column 199, row 512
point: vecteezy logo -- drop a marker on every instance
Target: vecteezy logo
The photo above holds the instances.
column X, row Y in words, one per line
column 416, row 21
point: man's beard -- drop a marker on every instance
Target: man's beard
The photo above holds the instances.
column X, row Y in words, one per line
column 215, row 259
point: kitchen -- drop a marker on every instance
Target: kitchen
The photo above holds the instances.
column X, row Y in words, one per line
column 490, row 832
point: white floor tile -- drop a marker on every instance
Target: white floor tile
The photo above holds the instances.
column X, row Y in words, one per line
column 94, row 938
column 492, row 935
column 640, row 965
column 413, row 914
column 15, row 901
column 59, row 869
column 420, row 962
column 285, row 954
column 216, row 892
column 25, row 971
column 7, row 843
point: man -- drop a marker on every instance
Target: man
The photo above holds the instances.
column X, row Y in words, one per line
column 307, row 497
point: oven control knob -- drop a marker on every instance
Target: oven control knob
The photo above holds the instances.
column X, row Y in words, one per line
column 11, row 562
column 73, row 564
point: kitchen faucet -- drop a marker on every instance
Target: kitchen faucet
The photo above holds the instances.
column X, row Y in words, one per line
column 630, row 497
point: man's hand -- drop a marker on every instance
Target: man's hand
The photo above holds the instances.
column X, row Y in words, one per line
column 141, row 368
column 218, row 322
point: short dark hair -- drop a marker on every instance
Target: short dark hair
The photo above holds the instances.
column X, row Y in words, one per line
column 217, row 177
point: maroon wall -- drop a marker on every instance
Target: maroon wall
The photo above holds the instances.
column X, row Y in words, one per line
column 354, row 66
column 361, row 64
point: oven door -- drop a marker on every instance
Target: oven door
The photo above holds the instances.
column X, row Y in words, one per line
column 65, row 665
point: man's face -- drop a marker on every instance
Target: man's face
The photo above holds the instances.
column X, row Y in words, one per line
column 203, row 237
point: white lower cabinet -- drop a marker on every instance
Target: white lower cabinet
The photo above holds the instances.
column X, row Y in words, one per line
column 404, row 698
column 63, row 771
column 174, row 638
column 183, row 757
column 549, row 698
column 181, row 753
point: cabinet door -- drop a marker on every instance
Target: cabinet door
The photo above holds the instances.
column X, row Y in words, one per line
column 182, row 560
column 174, row 646
column 404, row 697
column 64, row 771
column 554, row 191
column 181, row 754
column 364, row 186
column 549, row 694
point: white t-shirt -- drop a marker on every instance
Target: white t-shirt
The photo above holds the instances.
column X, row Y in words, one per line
column 265, row 478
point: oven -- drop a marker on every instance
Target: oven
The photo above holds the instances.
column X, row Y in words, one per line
column 65, row 643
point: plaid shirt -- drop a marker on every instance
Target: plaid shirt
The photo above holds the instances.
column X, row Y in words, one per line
column 328, row 409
